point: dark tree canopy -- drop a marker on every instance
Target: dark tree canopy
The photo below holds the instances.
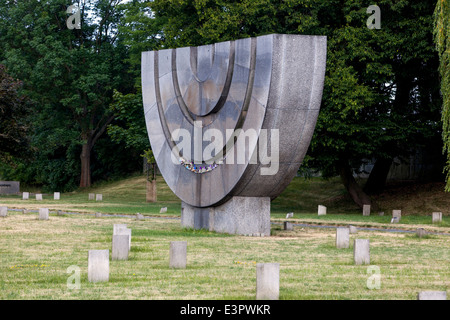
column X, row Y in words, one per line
column 14, row 129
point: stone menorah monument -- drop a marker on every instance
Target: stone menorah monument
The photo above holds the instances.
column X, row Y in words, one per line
column 230, row 123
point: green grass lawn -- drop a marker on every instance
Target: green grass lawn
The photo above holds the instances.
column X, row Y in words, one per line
column 35, row 254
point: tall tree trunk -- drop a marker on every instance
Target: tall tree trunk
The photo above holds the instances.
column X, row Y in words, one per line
column 353, row 188
column 85, row 156
column 377, row 179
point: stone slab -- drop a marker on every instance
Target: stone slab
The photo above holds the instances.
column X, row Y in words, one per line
column 57, row 196
column 342, row 238
column 98, row 197
column 178, row 254
column 120, row 247
column 91, row 196
column 397, row 214
column 420, row 232
column 163, row 210
column 289, row 215
column 98, row 214
column 321, row 210
column 361, row 251
column 366, row 210
column 353, row 229
column 239, row 215
column 436, row 217
column 288, row 226
column 25, row 196
column 267, row 281
column 98, row 266
column 9, row 187
column 43, row 214
column 121, row 229
column 3, row 211
column 38, row 197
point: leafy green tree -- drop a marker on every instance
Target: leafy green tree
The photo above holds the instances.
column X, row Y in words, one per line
column 69, row 74
column 14, row 110
column 442, row 38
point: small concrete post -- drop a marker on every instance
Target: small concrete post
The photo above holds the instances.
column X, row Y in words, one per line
column 43, row 214
column 120, row 247
column 366, row 210
column 420, row 232
column 361, row 251
column 397, row 214
column 353, row 229
column 98, row 266
column 322, row 210
column 121, row 229
column 178, row 254
column 267, row 281
column 288, row 226
column 342, row 238
column 436, row 217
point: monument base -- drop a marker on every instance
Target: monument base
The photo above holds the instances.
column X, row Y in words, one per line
column 239, row 215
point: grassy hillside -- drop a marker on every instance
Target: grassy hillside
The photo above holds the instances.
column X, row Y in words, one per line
column 127, row 196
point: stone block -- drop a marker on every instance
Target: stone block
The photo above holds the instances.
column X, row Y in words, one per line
column 289, row 215
column 60, row 213
column 24, row 211
column 43, row 214
column 288, row 226
column 120, row 247
column 163, row 210
column 25, row 195
column 366, row 210
column 178, row 254
column 322, row 210
column 57, row 196
column 353, row 229
column 420, row 232
column 139, row 216
column 342, row 238
column 38, row 197
column 9, row 187
column 98, row 214
column 436, row 217
column 121, row 229
column 3, row 211
column 432, row 295
column 361, row 251
column 397, row 214
column 98, row 197
column 91, row 196
column 98, row 266
column 267, row 281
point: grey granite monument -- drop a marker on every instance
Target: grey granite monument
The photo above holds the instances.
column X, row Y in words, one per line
column 9, row 187
column 230, row 123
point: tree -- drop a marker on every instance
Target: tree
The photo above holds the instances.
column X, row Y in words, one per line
column 69, row 74
column 380, row 97
column 14, row 141
column 442, row 38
